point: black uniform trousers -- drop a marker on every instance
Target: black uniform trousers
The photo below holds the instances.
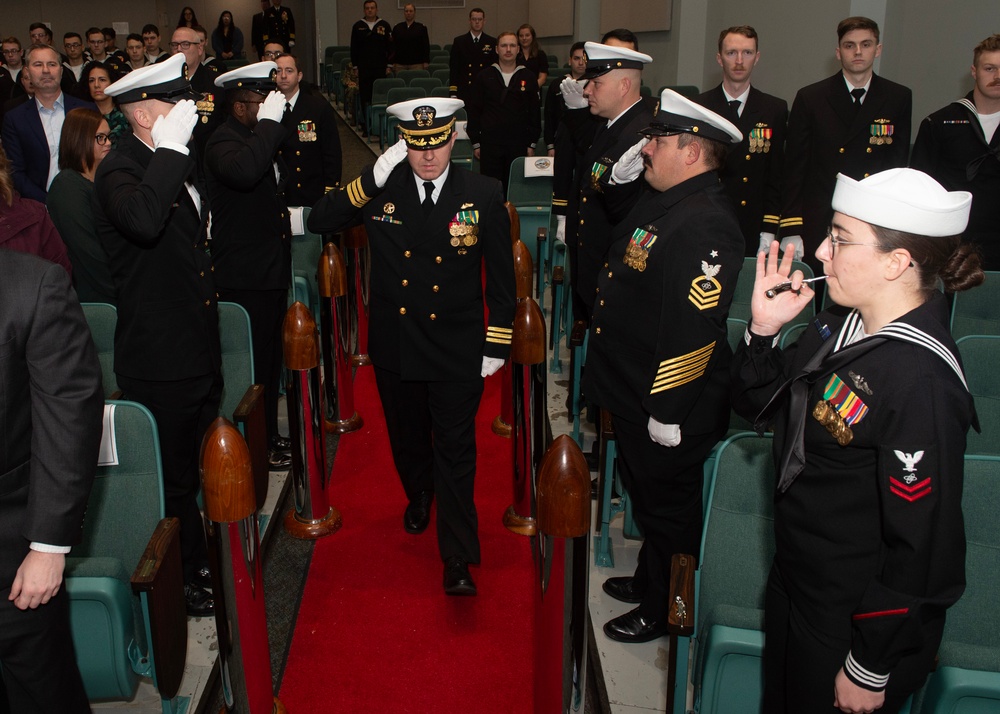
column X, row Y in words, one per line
column 495, row 160
column 266, row 309
column 804, row 651
column 432, row 432
column 183, row 410
column 665, row 487
column 39, row 663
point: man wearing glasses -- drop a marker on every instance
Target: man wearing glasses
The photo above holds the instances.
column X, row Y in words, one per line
column 13, row 63
column 188, row 42
column 31, row 131
column 73, row 46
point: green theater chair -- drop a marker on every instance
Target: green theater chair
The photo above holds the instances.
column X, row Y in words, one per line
column 376, row 110
column 102, row 319
column 532, row 197
column 967, row 678
column 408, row 75
column 979, row 359
column 977, row 311
column 390, row 124
column 125, row 630
column 736, row 553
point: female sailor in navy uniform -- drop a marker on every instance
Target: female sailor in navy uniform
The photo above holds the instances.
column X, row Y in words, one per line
column 870, row 430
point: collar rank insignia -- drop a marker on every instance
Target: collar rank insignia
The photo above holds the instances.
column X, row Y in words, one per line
column 705, row 289
column 912, row 490
column 881, row 132
column 638, row 249
column 839, row 410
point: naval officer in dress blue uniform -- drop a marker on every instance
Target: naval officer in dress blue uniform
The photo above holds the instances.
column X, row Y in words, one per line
column 659, row 358
column 432, row 227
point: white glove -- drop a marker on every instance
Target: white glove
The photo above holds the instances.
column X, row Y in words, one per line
column 561, row 229
column 173, row 130
column 765, row 242
column 572, row 93
column 273, row 107
column 797, row 242
column 629, row 167
column 491, row 365
column 395, row 154
column 664, row 434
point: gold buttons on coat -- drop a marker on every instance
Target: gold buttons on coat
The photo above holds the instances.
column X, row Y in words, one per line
column 868, row 150
column 743, row 203
column 435, row 288
column 841, row 150
column 597, row 330
column 433, row 316
column 748, row 157
column 405, row 282
column 437, row 259
column 610, row 273
column 402, row 311
column 207, row 303
column 745, row 179
column 406, row 253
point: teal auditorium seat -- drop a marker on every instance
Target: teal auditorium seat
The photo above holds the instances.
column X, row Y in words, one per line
column 102, row 319
column 408, row 75
column 532, row 197
column 390, row 124
column 120, row 636
column 237, row 355
column 977, row 311
column 443, row 75
column 979, row 360
column 306, row 250
column 737, row 548
column 376, row 110
column 967, row 679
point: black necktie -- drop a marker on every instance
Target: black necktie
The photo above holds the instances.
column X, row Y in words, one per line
column 428, row 202
column 857, row 94
column 288, row 108
column 475, row 40
column 734, row 104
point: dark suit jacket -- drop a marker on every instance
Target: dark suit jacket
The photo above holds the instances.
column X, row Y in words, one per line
column 468, row 59
column 752, row 174
column 426, row 281
column 590, row 218
column 311, row 150
column 827, row 135
column 52, row 406
column 658, row 342
column 155, row 238
column 26, row 146
column 257, row 30
column 251, row 232
column 410, row 44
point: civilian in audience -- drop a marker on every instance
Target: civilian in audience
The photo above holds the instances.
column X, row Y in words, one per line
column 96, row 78
column 84, row 143
column 25, row 225
column 227, row 40
column 410, row 42
column 187, row 18
column 530, row 54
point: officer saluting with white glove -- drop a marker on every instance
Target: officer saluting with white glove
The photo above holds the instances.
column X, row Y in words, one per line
column 658, row 357
column 431, row 227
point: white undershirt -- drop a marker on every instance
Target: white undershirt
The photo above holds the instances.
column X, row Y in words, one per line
column 989, row 122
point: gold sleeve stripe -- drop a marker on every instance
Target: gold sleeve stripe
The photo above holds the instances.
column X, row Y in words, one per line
column 681, row 370
column 793, row 221
column 499, row 341
column 771, row 219
column 560, row 202
column 507, row 330
column 356, row 193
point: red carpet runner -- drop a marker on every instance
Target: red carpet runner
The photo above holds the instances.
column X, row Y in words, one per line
column 375, row 631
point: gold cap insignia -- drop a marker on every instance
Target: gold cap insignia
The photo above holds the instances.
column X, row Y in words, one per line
column 424, row 115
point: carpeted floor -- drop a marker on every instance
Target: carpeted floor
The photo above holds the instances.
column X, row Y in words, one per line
column 375, row 631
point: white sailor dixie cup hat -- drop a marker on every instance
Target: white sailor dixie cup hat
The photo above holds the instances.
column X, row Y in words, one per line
column 258, row 77
column 601, row 59
column 428, row 122
column 167, row 81
column 904, row 200
column 679, row 115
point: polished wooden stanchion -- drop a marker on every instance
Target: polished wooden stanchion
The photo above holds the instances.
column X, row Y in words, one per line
column 503, row 420
column 527, row 396
column 563, row 517
column 357, row 260
column 313, row 516
column 340, row 416
column 238, row 584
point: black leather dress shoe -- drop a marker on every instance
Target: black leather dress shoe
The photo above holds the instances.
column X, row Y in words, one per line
column 633, row 627
column 280, row 443
column 202, row 577
column 199, row 601
column 623, row 589
column 457, row 580
column 278, row 460
column 418, row 514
